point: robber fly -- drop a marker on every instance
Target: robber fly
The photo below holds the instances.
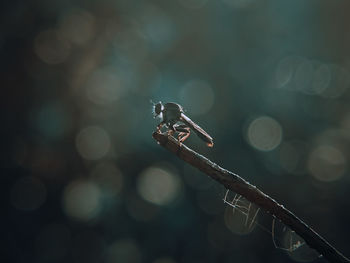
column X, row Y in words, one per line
column 173, row 117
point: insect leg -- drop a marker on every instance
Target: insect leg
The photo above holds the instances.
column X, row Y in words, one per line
column 184, row 136
column 198, row 130
column 184, row 132
column 171, row 130
column 159, row 126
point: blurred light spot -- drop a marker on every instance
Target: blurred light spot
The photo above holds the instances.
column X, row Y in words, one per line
column 108, row 177
column 198, row 96
column 81, row 200
column 93, row 143
column 77, row 26
column 345, row 122
column 264, row 133
column 321, row 78
column 158, row 186
column 293, row 155
column 52, row 120
column 158, row 27
column 28, row 193
column 104, row 86
column 312, row 77
column 285, row 71
column 239, row 3
column 53, row 242
column 164, row 260
column 339, row 82
column 299, row 251
column 292, row 243
column 303, row 76
column 327, row 163
column 194, row 4
column 50, row 48
column 237, row 222
column 298, row 73
column 125, row 250
column 304, row 254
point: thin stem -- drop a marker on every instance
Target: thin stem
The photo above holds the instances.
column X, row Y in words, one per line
column 238, row 185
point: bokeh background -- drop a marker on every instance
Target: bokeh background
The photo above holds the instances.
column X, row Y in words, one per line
column 83, row 180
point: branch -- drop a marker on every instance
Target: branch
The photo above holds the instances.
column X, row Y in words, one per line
column 237, row 184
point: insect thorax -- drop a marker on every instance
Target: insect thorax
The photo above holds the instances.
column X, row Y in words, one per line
column 172, row 113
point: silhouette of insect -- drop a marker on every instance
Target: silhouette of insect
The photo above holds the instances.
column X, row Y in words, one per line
column 174, row 118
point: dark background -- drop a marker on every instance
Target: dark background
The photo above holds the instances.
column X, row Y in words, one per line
column 83, row 180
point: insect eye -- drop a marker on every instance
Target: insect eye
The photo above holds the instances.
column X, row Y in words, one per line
column 158, row 108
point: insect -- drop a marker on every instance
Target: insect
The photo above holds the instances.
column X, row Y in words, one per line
column 174, row 118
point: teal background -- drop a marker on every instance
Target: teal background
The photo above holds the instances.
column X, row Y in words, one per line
column 268, row 80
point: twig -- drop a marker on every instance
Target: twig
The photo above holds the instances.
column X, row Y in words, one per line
column 237, row 184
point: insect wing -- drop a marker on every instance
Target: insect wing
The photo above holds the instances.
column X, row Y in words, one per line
column 198, row 130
